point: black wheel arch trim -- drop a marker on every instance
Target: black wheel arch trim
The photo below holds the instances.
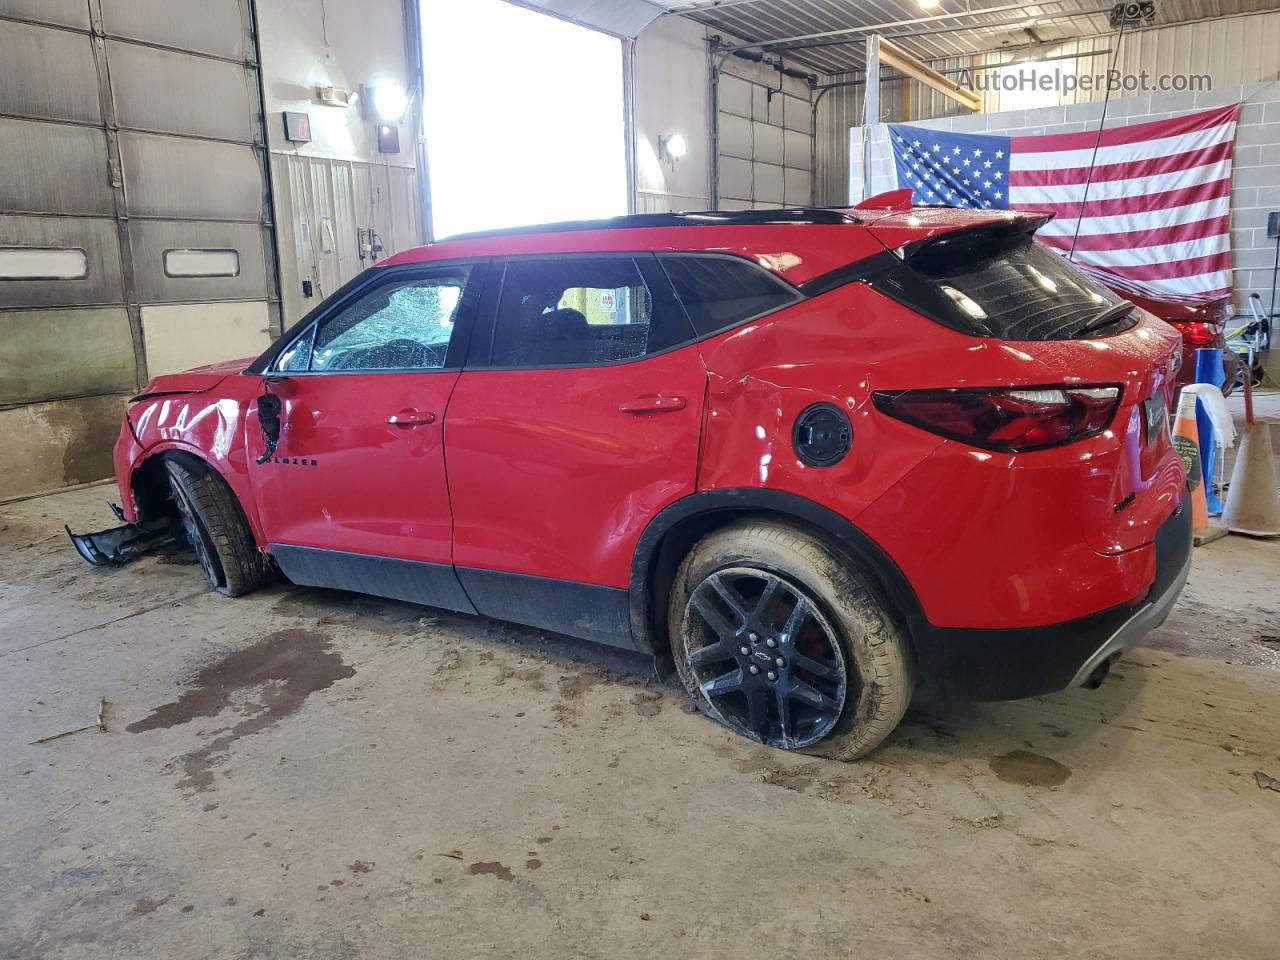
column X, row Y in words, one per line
column 648, row 622
column 152, row 460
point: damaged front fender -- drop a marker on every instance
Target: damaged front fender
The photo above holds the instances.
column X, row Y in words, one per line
column 121, row 544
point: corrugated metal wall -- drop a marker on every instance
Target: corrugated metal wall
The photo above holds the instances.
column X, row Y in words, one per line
column 340, row 185
column 134, row 177
column 989, row 25
column 648, row 202
column 321, row 203
column 1232, row 50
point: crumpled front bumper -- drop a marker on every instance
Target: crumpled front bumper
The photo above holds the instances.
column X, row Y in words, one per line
column 121, row 544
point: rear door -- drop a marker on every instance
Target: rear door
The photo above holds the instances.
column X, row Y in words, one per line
column 576, row 420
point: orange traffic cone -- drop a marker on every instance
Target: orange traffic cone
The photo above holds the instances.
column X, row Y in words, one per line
column 1252, row 506
column 1186, row 442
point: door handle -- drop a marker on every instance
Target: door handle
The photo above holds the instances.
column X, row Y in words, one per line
column 653, row 404
column 410, row 417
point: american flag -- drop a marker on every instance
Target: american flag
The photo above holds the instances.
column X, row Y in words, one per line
column 1156, row 219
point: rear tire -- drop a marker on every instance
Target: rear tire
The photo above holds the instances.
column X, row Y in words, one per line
column 833, row 672
column 216, row 526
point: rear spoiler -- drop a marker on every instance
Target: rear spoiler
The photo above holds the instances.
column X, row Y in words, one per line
column 905, row 231
column 975, row 233
column 889, row 200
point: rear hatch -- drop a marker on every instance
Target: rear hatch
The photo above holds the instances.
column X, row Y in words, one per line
column 1066, row 337
column 989, row 278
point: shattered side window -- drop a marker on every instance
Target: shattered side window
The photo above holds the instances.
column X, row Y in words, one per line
column 297, row 356
column 405, row 325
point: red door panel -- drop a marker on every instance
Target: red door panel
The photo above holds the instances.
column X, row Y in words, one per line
column 360, row 464
column 555, row 473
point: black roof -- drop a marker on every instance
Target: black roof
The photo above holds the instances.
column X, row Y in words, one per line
column 698, row 218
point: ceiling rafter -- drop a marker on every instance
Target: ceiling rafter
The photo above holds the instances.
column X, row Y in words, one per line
column 963, row 32
column 783, row 43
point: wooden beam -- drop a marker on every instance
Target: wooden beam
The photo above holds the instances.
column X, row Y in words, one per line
column 894, row 56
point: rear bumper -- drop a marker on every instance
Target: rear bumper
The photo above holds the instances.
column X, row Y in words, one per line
column 976, row 664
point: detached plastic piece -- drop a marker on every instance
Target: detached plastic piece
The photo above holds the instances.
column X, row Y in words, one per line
column 121, row 544
column 269, row 421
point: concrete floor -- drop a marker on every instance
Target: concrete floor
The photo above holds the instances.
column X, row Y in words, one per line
column 306, row 774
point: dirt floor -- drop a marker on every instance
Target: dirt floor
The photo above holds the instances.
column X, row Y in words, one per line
column 303, row 774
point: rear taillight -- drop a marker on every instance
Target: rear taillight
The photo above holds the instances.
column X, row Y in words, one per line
column 1009, row 420
column 1199, row 334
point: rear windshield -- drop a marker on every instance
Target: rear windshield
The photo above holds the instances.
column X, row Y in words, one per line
column 1003, row 284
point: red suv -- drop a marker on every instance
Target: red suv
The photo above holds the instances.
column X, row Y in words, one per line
column 807, row 458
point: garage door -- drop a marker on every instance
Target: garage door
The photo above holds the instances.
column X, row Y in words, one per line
column 135, row 227
column 765, row 143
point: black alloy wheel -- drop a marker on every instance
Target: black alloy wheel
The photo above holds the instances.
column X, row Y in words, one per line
column 765, row 657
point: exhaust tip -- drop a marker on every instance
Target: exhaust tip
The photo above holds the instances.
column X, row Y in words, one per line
column 1099, row 674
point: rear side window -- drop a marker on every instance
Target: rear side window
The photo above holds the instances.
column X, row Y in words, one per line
column 1003, row 284
column 719, row 292
column 581, row 310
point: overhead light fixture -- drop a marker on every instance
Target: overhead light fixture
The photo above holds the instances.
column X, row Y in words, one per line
column 1132, row 14
column 928, row 4
column 672, row 147
column 336, row 96
column 389, row 102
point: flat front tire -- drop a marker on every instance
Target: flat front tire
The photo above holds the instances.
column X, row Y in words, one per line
column 216, row 526
column 780, row 638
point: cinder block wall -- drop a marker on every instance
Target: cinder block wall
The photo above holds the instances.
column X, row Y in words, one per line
column 1255, row 173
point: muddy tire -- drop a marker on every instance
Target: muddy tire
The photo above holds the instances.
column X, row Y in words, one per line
column 781, row 639
column 217, row 528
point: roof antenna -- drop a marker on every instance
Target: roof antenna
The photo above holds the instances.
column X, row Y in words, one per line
column 1122, row 14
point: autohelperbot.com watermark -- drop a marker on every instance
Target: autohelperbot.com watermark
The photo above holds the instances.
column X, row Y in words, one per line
column 1035, row 77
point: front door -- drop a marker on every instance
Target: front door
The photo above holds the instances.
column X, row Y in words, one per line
column 576, row 420
column 354, row 496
